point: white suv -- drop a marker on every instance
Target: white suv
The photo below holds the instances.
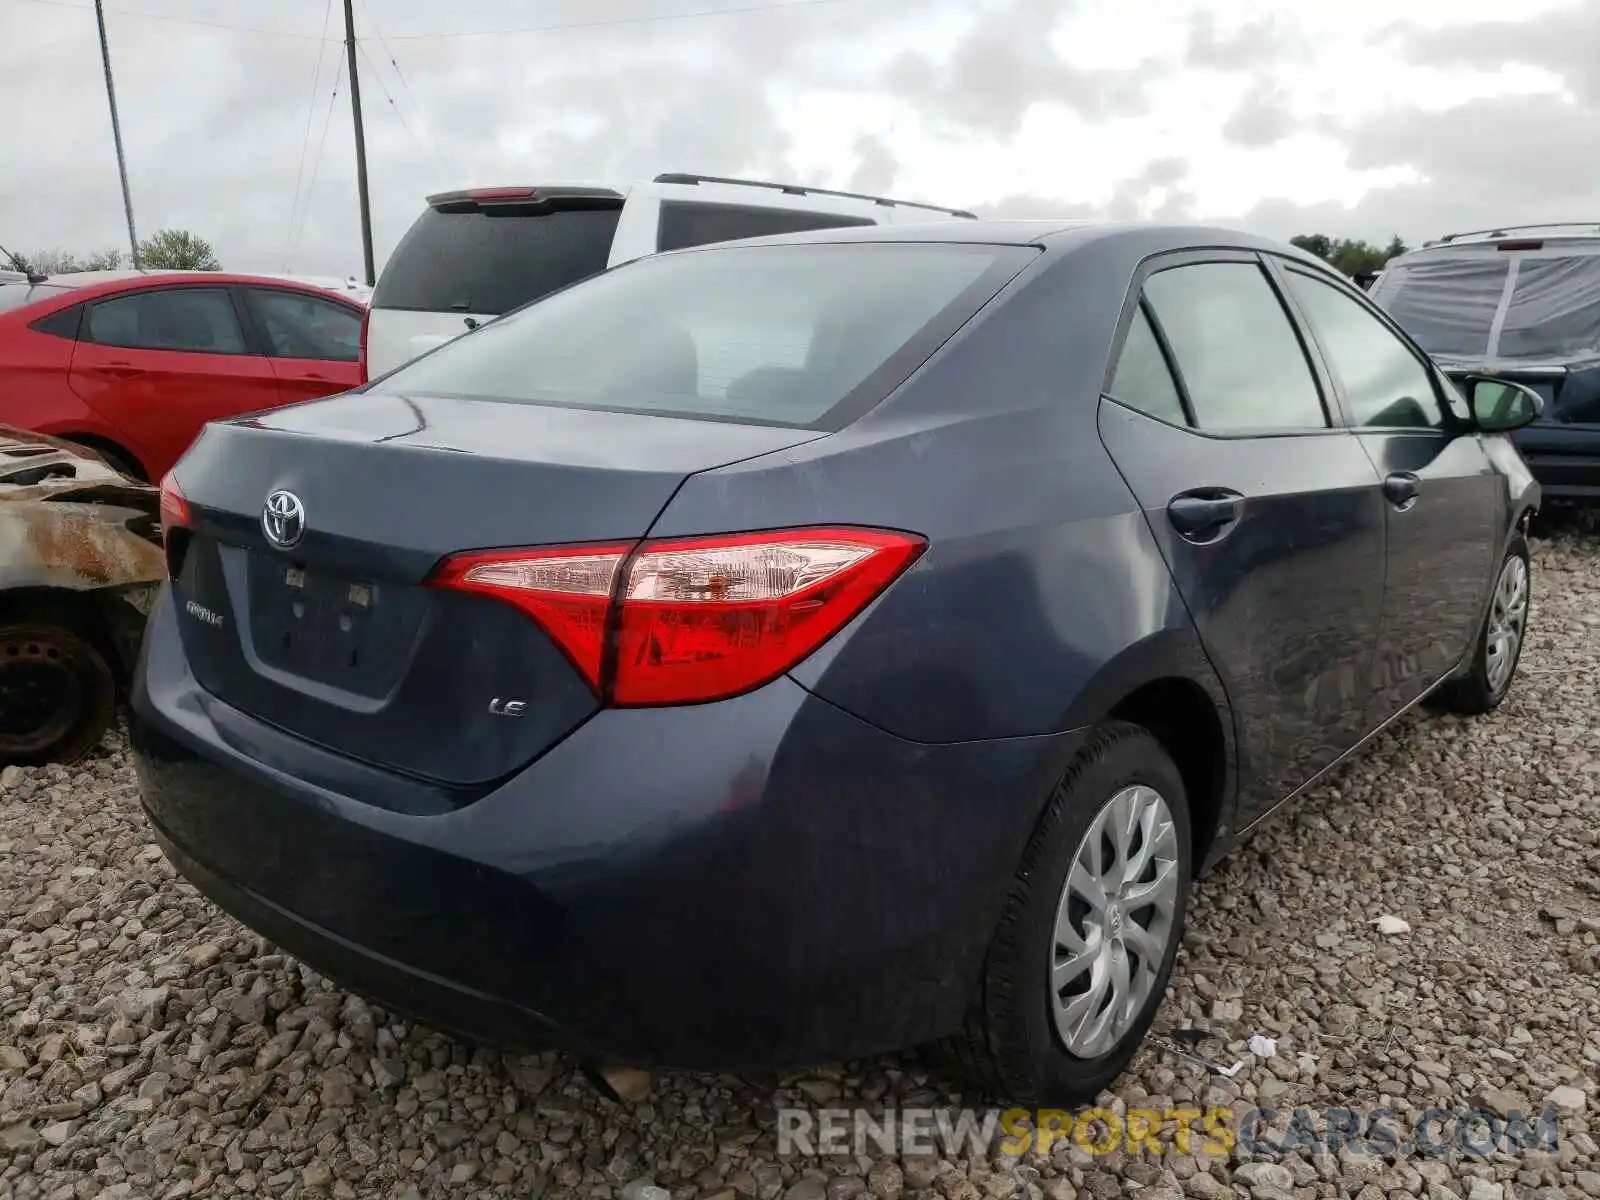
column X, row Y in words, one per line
column 475, row 254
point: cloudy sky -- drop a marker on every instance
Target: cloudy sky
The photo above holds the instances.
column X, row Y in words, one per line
column 1360, row 118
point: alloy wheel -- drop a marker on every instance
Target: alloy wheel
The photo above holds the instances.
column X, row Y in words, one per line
column 1508, row 623
column 1114, row 922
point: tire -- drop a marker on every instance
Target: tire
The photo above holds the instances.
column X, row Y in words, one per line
column 1494, row 661
column 57, row 693
column 1010, row 1045
column 116, row 458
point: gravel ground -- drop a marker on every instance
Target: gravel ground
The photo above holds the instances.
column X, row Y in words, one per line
column 150, row 1047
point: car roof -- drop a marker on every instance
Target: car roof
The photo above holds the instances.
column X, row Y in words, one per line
column 1560, row 232
column 1055, row 235
column 96, row 283
column 711, row 189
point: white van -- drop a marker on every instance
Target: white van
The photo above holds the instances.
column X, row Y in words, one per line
column 475, row 254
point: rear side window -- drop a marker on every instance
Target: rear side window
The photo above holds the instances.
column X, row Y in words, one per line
column 1385, row 384
column 783, row 335
column 194, row 319
column 685, row 223
column 296, row 325
column 1142, row 380
column 62, row 324
column 1235, row 348
column 490, row 261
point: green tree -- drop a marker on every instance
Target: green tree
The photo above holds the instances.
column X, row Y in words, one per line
column 177, row 250
column 62, row 262
column 1349, row 255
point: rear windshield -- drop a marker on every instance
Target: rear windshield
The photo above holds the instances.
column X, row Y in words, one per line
column 803, row 335
column 1460, row 306
column 492, row 260
column 15, row 295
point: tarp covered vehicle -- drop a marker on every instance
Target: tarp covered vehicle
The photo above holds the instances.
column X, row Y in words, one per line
column 80, row 559
column 1519, row 303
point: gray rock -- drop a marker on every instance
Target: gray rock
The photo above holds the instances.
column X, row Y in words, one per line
column 18, row 1138
column 1264, row 1176
column 1566, row 1101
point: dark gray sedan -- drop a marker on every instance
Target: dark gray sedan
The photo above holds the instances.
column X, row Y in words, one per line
column 791, row 650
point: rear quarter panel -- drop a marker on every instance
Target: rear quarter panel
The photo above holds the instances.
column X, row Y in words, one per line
column 34, row 393
column 1041, row 580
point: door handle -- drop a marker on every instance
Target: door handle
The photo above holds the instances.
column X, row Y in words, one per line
column 120, row 370
column 1205, row 514
column 1401, row 489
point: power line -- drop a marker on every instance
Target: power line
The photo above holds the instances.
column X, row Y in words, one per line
column 777, row 6
column 316, row 160
column 150, row 16
column 431, row 146
column 399, row 116
column 305, row 138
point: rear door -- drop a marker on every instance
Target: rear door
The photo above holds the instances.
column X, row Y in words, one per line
column 1269, row 514
column 313, row 344
column 469, row 260
column 1444, row 509
column 160, row 362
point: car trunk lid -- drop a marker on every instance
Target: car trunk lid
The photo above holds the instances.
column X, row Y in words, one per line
column 339, row 639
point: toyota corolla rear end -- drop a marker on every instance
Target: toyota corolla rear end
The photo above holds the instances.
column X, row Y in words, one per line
column 442, row 698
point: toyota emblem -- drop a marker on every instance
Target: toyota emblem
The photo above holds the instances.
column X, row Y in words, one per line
column 283, row 519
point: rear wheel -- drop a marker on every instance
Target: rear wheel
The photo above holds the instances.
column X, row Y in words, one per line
column 1500, row 641
column 57, row 694
column 116, row 457
column 1089, row 931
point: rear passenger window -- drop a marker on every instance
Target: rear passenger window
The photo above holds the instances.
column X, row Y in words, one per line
column 1385, row 384
column 1142, row 379
column 685, row 223
column 62, row 324
column 300, row 326
column 1236, row 351
column 194, row 319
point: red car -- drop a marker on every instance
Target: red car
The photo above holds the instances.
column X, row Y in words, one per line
column 133, row 364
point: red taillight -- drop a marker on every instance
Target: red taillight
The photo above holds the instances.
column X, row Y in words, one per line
column 361, row 358
column 704, row 618
column 567, row 591
column 693, row 619
column 174, row 508
column 501, row 194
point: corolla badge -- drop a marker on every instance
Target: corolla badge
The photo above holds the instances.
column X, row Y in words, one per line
column 283, row 519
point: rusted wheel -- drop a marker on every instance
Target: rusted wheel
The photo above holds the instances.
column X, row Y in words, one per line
column 57, row 695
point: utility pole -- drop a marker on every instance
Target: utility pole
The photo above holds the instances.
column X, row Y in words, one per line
column 361, row 143
column 116, row 129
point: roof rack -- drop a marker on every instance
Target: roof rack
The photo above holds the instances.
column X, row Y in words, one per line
column 794, row 189
column 1503, row 230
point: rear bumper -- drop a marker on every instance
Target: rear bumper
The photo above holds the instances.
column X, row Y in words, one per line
column 767, row 881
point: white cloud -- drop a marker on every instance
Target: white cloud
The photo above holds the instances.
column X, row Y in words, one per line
column 1273, row 113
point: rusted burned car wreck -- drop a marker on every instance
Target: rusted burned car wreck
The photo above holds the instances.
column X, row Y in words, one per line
column 80, row 559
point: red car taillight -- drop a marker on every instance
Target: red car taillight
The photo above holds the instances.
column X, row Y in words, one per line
column 174, row 508
column 691, row 619
column 567, row 591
